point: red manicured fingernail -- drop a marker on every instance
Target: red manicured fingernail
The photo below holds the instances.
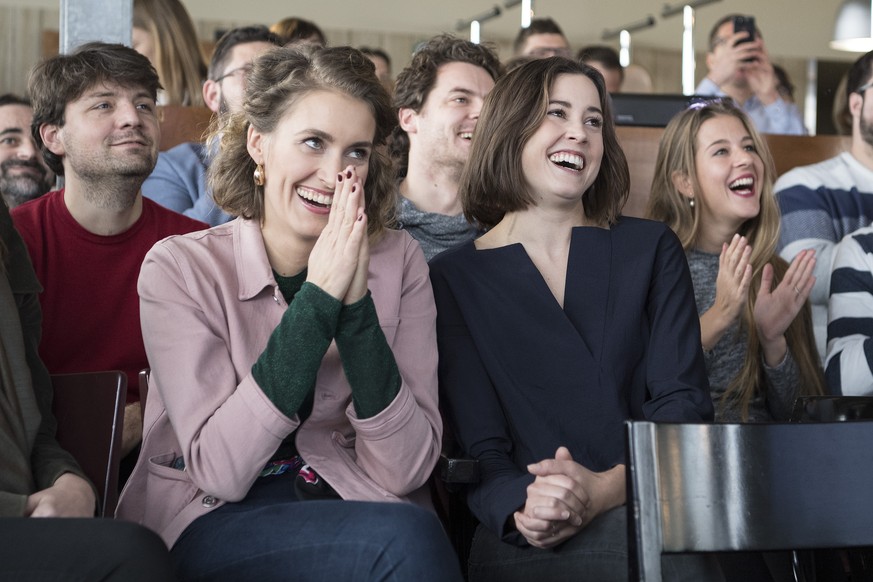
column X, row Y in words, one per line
column 348, row 173
column 339, row 177
column 355, row 188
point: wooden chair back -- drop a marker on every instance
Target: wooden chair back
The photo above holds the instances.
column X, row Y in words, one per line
column 640, row 145
column 89, row 408
column 181, row 124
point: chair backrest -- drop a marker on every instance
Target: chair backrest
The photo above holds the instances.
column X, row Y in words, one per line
column 727, row 487
column 180, row 124
column 144, row 376
column 832, row 408
column 640, row 146
column 89, row 408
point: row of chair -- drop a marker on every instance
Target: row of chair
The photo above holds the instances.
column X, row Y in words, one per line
column 732, row 487
column 691, row 487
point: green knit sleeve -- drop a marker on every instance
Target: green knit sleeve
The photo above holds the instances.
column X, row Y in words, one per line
column 367, row 358
column 287, row 368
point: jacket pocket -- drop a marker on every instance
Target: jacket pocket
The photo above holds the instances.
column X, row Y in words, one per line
column 168, row 491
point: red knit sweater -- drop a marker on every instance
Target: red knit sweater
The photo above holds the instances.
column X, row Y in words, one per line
column 90, row 307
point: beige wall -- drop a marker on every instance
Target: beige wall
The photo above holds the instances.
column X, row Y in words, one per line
column 20, row 43
column 21, row 32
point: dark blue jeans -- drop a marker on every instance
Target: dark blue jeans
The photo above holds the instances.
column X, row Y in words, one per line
column 81, row 550
column 270, row 535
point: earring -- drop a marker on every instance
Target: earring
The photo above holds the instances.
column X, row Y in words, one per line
column 691, row 202
column 258, row 175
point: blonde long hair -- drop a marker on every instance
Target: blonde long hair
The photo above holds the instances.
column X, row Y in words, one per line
column 676, row 156
column 178, row 58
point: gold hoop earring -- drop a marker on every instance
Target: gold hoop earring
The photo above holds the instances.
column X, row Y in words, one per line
column 258, row 175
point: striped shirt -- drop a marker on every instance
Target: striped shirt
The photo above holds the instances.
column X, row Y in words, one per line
column 821, row 204
column 850, row 316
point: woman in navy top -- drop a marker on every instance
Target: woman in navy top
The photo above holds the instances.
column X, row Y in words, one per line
column 558, row 324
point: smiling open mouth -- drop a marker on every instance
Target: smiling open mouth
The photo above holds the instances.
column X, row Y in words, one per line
column 742, row 186
column 467, row 135
column 315, row 198
column 569, row 161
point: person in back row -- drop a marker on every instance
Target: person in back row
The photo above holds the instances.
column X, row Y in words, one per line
column 438, row 98
column 95, row 121
column 178, row 181
column 542, row 38
column 824, row 202
column 739, row 67
column 24, row 175
column 606, row 60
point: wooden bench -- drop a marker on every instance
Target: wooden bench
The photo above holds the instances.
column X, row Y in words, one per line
column 182, row 124
column 640, row 145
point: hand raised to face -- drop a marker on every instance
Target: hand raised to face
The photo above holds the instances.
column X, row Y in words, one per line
column 338, row 261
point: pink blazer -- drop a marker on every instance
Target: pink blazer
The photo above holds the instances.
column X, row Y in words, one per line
column 208, row 305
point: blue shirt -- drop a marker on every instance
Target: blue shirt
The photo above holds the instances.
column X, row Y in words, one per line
column 178, row 182
column 778, row 117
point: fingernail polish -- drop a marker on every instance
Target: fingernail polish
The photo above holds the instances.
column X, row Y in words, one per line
column 339, row 177
column 355, row 188
column 348, row 174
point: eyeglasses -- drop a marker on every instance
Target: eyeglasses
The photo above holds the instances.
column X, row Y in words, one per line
column 245, row 70
column 547, row 51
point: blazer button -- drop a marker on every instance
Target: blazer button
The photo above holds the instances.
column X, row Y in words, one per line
column 209, row 501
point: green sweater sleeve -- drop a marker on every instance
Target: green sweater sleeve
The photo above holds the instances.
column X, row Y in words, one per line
column 287, row 368
column 367, row 358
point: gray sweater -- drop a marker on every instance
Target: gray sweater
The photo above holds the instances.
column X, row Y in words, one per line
column 434, row 232
column 726, row 358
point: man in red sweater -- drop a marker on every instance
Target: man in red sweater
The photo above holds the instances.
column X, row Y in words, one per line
column 95, row 121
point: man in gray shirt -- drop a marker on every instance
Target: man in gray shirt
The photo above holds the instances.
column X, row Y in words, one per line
column 438, row 98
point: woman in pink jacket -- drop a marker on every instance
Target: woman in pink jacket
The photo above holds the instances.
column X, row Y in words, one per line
column 293, row 350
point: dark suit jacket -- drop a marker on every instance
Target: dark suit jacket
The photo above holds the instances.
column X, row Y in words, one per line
column 520, row 376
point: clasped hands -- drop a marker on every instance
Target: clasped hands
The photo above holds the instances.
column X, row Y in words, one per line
column 564, row 498
column 339, row 260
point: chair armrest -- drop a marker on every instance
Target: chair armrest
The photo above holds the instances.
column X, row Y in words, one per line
column 452, row 470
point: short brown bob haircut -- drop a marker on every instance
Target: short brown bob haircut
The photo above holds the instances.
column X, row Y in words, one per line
column 279, row 79
column 493, row 184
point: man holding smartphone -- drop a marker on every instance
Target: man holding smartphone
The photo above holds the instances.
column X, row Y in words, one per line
column 739, row 67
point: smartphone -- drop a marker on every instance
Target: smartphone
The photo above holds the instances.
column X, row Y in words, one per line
column 745, row 24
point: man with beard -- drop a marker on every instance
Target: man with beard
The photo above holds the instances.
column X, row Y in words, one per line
column 179, row 179
column 739, row 67
column 824, row 202
column 94, row 119
column 23, row 173
column 438, row 98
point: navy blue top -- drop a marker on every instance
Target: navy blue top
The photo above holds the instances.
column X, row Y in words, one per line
column 519, row 376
